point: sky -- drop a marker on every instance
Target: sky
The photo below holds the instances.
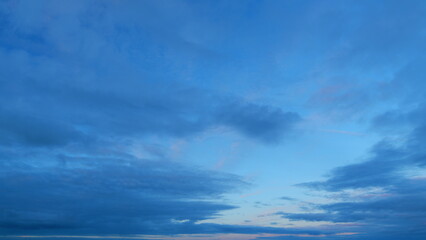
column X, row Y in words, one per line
column 213, row 120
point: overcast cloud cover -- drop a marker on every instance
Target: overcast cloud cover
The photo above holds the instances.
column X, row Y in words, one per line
column 113, row 113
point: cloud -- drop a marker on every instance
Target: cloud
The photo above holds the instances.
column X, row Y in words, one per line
column 397, row 214
column 91, row 86
column 397, row 208
column 107, row 195
column 21, row 129
column 262, row 122
column 287, row 198
column 81, row 81
column 387, row 160
column 80, row 196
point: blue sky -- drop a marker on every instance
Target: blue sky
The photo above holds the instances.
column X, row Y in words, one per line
column 212, row 120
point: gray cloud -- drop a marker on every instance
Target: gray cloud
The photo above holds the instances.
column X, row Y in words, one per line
column 107, row 195
column 397, row 209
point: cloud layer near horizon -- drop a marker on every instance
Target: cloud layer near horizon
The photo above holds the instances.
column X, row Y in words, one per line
column 384, row 195
column 81, row 82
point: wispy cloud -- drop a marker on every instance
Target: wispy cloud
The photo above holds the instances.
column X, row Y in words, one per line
column 343, row 132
